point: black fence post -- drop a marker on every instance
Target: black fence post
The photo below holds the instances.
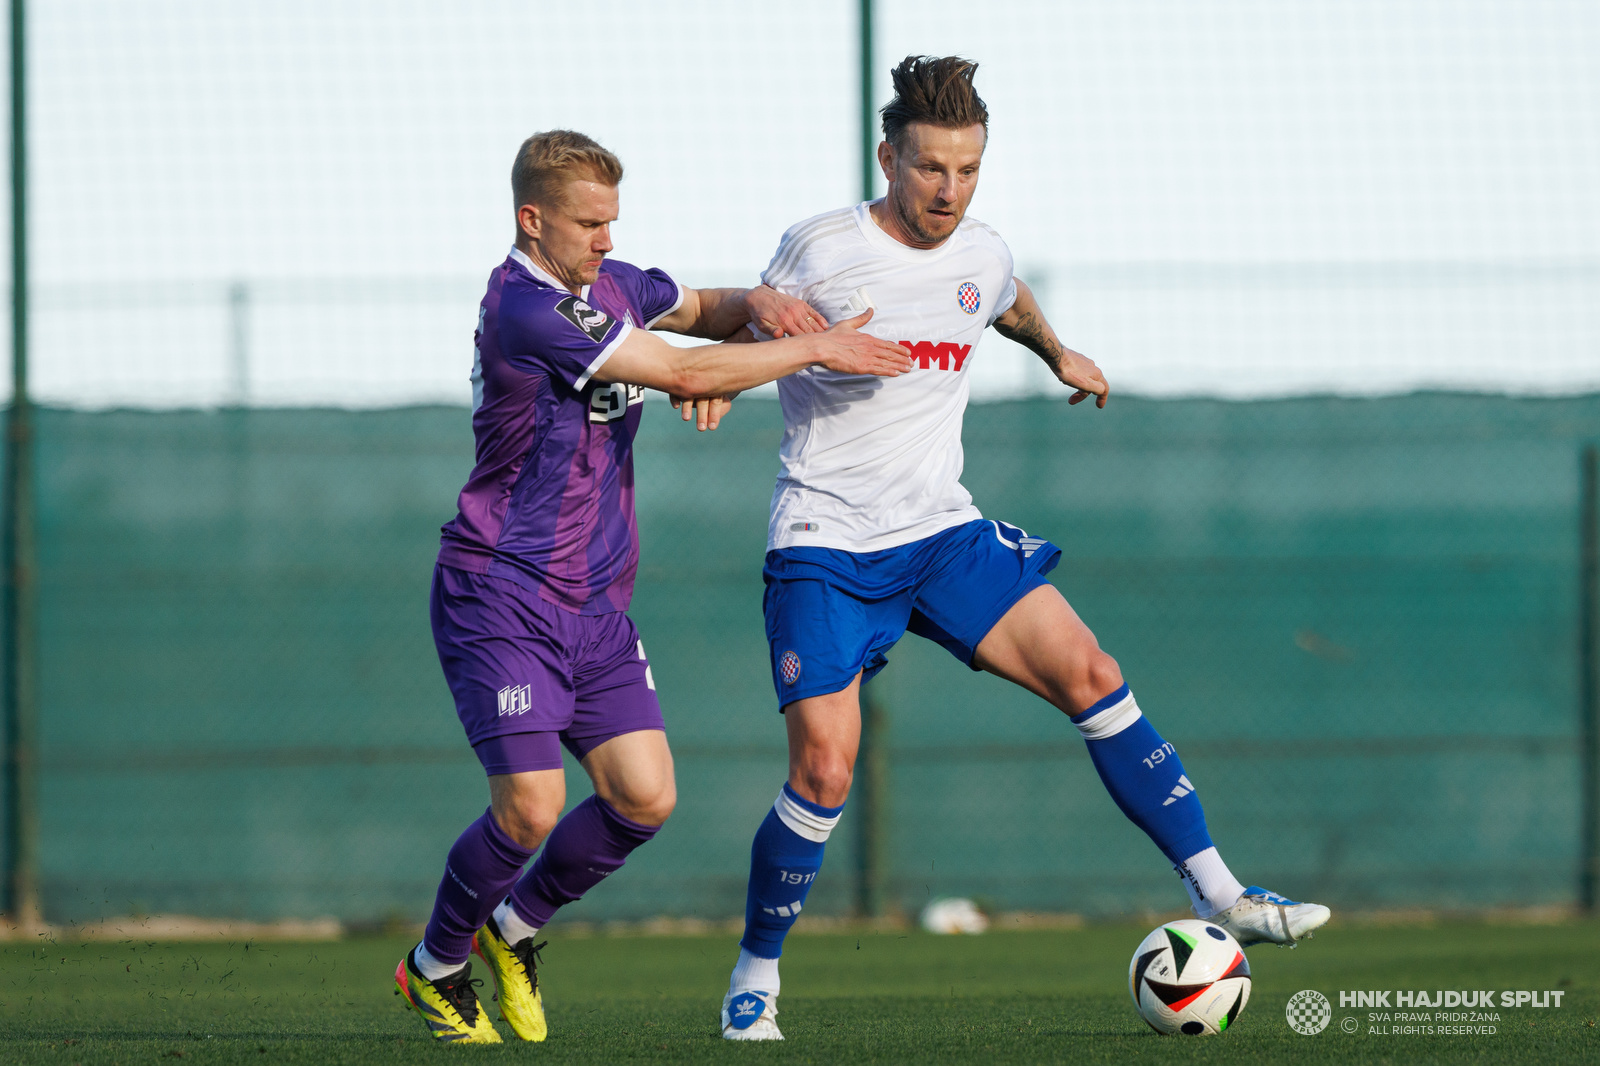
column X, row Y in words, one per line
column 21, row 572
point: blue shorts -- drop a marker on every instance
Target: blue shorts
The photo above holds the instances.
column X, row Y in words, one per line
column 831, row 613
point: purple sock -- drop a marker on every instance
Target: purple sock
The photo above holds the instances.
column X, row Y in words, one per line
column 590, row 843
column 482, row 865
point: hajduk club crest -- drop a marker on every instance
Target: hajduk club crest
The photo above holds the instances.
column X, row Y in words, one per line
column 968, row 297
column 789, row 667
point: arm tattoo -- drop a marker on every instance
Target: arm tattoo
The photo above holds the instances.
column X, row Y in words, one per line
column 1030, row 333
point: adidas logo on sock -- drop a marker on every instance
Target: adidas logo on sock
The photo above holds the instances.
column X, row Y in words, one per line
column 784, row 912
column 1180, row 790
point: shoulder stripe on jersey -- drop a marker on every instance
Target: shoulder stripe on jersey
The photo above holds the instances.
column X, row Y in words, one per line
column 980, row 224
column 787, row 259
column 800, row 229
column 792, row 260
column 800, row 234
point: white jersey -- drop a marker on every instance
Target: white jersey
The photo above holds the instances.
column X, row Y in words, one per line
column 869, row 462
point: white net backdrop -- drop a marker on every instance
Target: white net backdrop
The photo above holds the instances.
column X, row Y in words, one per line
column 297, row 203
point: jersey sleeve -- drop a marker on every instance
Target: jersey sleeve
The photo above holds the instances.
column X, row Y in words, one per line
column 803, row 255
column 782, row 273
column 653, row 291
column 1008, row 297
column 1008, row 294
column 557, row 333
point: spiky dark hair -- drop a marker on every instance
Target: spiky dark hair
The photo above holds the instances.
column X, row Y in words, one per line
column 936, row 90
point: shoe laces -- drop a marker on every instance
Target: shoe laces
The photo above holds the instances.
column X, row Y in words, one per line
column 1281, row 904
column 1265, row 896
column 459, row 990
column 527, row 953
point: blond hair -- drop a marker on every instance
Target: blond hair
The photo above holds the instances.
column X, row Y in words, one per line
column 547, row 161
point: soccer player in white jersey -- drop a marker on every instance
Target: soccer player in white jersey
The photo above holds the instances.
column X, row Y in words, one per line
column 872, row 533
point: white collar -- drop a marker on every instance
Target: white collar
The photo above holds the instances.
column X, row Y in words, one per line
column 540, row 274
column 877, row 237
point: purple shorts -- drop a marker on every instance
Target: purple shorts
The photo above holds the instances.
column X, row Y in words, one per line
column 529, row 677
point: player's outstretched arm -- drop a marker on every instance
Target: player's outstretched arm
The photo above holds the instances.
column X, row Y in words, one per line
column 712, row 370
column 723, row 314
column 718, row 314
column 1024, row 323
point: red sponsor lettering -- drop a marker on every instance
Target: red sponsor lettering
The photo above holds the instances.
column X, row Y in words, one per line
column 926, row 353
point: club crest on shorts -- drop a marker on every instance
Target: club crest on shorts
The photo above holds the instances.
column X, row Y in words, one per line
column 514, row 699
column 968, row 297
column 789, row 668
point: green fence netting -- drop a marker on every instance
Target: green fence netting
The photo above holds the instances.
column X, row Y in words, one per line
column 1356, row 619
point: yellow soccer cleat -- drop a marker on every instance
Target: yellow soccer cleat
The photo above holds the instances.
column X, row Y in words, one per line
column 516, row 975
column 449, row 1005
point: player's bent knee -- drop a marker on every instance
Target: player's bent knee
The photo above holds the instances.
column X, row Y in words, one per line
column 650, row 808
column 527, row 822
column 646, row 802
column 825, row 780
column 1097, row 677
column 1102, row 676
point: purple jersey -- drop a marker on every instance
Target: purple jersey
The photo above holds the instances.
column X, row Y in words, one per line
column 549, row 504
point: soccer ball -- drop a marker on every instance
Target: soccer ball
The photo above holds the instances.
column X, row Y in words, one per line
column 1189, row 977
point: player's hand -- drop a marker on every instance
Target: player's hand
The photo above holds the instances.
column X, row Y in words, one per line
column 707, row 413
column 778, row 315
column 849, row 351
column 1081, row 373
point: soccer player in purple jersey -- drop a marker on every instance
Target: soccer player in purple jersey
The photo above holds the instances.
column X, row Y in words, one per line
column 537, row 568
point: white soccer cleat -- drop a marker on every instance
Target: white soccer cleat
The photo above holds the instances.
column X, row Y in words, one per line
column 1262, row 917
column 750, row 1016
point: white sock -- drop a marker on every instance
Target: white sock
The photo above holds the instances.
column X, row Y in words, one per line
column 432, row 968
column 1211, row 885
column 752, row 973
column 512, row 927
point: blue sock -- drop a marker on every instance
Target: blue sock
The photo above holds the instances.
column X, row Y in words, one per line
column 784, row 861
column 1144, row 776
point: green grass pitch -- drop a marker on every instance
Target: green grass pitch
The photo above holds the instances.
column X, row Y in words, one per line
column 1023, row 997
